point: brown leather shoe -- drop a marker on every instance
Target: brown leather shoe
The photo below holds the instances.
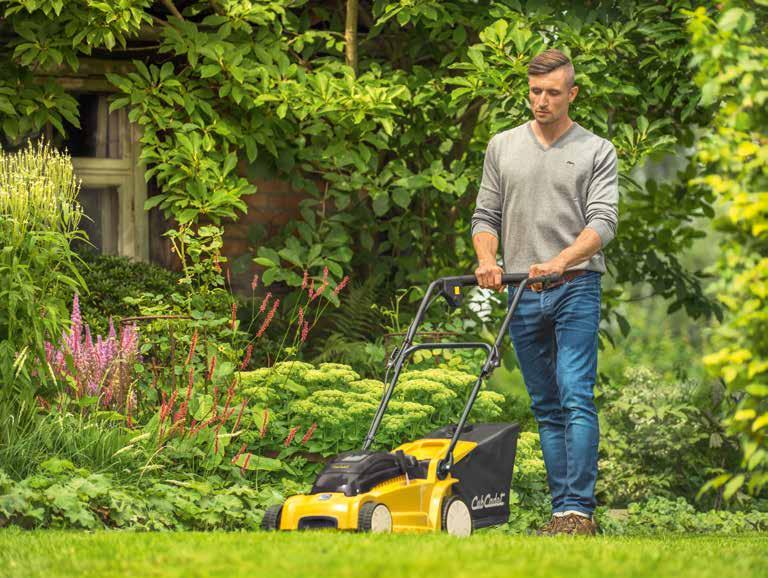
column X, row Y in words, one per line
column 552, row 527
column 576, row 525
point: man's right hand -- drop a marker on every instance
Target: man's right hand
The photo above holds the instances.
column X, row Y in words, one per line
column 489, row 275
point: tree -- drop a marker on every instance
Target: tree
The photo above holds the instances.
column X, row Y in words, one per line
column 390, row 156
column 731, row 54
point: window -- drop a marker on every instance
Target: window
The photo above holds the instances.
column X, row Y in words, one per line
column 105, row 155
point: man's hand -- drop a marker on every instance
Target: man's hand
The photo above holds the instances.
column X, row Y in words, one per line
column 488, row 275
column 553, row 266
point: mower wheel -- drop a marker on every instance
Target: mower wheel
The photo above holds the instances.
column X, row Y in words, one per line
column 271, row 520
column 457, row 519
column 374, row 517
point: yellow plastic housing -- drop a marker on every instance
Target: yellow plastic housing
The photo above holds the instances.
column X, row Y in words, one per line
column 415, row 504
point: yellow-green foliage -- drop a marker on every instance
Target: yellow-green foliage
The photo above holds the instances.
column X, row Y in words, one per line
column 732, row 55
column 333, row 396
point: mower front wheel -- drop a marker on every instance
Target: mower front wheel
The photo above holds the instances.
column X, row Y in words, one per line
column 457, row 519
column 271, row 520
column 375, row 518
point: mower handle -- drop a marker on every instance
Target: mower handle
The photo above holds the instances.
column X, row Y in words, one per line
column 446, row 286
column 506, row 279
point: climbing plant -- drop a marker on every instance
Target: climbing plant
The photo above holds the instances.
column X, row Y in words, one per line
column 389, row 147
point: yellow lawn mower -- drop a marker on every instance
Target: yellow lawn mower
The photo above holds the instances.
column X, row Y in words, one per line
column 455, row 479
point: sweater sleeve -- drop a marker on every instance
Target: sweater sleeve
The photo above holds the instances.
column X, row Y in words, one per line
column 487, row 215
column 602, row 207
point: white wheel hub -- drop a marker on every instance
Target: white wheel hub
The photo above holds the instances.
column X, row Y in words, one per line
column 381, row 519
column 458, row 520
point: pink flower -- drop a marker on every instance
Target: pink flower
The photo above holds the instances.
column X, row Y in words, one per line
column 245, row 463
column 248, row 351
column 318, row 292
column 239, row 415
column 341, row 285
column 239, row 453
column 304, row 331
column 211, row 368
column 309, row 433
column 234, row 315
column 255, row 282
column 290, row 436
column 192, row 346
column 268, row 320
column 311, row 292
column 264, row 303
column 304, row 280
column 325, row 275
column 301, row 315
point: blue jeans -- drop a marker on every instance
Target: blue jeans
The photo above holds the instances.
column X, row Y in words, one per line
column 555, row 337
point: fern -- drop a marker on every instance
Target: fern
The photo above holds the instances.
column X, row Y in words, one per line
column 348, row 333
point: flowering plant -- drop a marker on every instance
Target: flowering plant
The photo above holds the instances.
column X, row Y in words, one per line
column 104, row 368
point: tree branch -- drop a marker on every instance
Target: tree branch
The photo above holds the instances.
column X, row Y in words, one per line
column 350, row 34
column 172, row 9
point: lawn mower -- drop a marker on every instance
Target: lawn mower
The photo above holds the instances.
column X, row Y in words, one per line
column 455, row 479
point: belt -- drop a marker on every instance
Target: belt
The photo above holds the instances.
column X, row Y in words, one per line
column 567, row 276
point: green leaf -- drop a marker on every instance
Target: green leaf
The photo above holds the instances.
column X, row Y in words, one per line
column 261, row 463
column 264, row 262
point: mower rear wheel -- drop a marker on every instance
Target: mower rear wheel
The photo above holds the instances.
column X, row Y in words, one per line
column 271, row 520
column 457, row 519
column 374, row 517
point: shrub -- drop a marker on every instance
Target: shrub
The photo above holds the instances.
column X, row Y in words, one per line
column 39, row 220
column 664, row 515
column 60, row 495
column 111, row 278
column 655, row 440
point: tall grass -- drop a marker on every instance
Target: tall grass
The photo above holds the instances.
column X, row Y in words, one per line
column 28, row 438
column 39, row 220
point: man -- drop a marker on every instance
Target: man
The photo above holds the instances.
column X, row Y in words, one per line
column 549, row 193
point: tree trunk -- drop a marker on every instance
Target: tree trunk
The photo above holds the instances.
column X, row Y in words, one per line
column 350, row 34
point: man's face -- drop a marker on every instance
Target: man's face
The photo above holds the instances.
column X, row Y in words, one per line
column 550, row 95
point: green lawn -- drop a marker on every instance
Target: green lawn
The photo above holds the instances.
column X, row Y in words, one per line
column 322, row 555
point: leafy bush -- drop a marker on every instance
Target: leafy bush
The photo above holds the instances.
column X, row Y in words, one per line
column 530, row 504
column 343, row 405
column 656, row 441
column 664, row 515
column 59, row 495
column 111, row 278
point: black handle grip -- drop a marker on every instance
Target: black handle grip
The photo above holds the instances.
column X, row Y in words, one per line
column 506, row 279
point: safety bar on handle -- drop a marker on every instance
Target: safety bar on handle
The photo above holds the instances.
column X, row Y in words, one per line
column 400, row 354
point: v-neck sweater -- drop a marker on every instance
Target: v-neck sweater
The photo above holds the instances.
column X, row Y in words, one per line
column 536, row 199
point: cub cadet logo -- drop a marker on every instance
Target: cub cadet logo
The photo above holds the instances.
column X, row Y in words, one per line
column 488, row 501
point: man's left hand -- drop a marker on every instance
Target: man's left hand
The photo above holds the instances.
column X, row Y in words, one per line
column 552, row 267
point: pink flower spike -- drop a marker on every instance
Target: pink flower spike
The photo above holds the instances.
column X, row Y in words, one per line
column 211, row 368
column 255, row 282
column 304, row 331
column 248, row 351
column 304, row 280
column 268, row 320
column 341, row 285
column 192, row 346
column 290, row 436
column 309, row 433
column 264, row 303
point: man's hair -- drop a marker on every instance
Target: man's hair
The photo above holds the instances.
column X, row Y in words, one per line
column 549, row 60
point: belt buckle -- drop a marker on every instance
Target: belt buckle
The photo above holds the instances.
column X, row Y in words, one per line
column 548, row 285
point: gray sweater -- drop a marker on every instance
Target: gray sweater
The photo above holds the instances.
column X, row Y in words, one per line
column 537, row 200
